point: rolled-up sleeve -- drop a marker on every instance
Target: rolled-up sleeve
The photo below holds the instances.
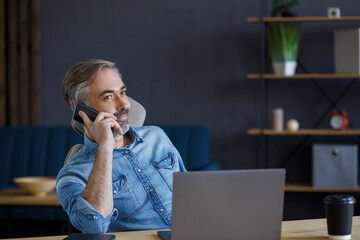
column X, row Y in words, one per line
column 81, row 213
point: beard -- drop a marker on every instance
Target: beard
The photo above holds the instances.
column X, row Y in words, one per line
column 124, row 124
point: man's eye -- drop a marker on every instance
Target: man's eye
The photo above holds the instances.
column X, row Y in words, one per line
column 108, row 97
column 123, row 92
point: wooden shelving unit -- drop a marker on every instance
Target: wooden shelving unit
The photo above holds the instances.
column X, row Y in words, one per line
column 264, row 133
column 303, row 19
column 303, row 76
column 257, row 131
column 308, row 188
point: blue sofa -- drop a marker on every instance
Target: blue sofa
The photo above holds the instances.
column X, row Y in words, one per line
column 40, row 151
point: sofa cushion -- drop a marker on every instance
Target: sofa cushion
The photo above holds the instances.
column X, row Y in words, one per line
column 193, row 144
column 41, row 151
column 33, row 151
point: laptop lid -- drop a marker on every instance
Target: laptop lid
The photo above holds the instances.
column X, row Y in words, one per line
column 233, row 204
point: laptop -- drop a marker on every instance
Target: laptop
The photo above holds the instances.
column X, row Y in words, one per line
column 232, row 204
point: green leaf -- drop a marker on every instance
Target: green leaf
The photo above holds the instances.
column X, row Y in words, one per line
column 274, row 11
column 280, row 5
column 283, row 41
column 275, row 2
column 293, row 3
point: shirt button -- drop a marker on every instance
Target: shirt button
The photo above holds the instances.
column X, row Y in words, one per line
column 161, row 210
column 115, row 192
column 139, row 170
column 151, row 190
column 95, row 217
column 127, row 152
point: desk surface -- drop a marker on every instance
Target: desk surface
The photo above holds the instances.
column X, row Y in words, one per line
column 291, row 230
column 17, row 197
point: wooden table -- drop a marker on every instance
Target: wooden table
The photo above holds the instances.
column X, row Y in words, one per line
column 313, row 229
column 291, row 230
column 10, row 198
column 17, row 197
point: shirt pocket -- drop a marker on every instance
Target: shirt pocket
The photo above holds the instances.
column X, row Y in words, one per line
column 125, row 199
column 166, row 168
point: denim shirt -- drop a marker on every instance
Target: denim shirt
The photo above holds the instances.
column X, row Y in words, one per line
column 142, row 178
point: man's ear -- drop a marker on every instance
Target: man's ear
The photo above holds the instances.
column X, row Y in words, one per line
column 73, row 104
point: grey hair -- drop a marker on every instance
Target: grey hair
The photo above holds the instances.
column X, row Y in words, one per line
column 76, row 82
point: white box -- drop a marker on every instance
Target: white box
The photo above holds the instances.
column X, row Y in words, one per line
column 347, row 55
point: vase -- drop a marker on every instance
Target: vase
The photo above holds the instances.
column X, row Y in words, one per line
column 286, row 68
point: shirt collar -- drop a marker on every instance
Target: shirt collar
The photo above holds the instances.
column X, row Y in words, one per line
column 133, row 133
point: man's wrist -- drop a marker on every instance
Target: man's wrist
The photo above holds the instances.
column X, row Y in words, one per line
column 105, row 147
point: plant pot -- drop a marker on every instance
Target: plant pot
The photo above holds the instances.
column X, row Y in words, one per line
column 286, row 68
column 283, row 42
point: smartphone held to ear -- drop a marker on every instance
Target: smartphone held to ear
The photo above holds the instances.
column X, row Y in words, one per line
column 91, row 113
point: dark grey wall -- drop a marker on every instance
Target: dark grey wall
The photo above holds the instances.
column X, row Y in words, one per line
column 186, row 61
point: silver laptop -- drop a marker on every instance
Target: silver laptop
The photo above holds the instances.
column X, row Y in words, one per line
column 234, row 204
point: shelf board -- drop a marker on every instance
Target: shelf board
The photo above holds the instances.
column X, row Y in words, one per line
column 303, row 19
column 308, row 188
column 257, row 131
column 303, row 76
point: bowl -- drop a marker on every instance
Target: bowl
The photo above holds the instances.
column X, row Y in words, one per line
column 38, row 186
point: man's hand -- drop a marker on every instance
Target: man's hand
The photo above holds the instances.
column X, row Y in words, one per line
column 98, row 191
column 100, row 130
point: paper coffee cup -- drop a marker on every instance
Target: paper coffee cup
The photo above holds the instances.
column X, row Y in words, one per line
column 339, row 213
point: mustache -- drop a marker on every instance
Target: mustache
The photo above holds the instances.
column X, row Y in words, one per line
column 121, row 113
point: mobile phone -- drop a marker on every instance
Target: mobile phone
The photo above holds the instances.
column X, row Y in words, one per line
column 91, row 113
column 164, row 235
column 80, row 236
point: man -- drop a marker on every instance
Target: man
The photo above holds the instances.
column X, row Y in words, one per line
column 122, row 179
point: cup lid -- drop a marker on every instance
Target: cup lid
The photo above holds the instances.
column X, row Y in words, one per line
column 340, row 199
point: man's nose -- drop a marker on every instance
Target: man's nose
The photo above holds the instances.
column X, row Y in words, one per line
column 122, row 103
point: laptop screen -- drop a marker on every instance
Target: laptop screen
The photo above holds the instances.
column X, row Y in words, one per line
column 233, row 204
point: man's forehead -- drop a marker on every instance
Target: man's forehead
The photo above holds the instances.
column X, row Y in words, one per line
column 106, row 80
column 107, row 77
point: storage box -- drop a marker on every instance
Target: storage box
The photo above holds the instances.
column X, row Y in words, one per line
column 334, row 165
column 347, row 55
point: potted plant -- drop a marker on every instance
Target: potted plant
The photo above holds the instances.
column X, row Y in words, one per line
column 283, row 38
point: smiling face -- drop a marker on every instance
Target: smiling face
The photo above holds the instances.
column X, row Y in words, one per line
column 108, row 94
